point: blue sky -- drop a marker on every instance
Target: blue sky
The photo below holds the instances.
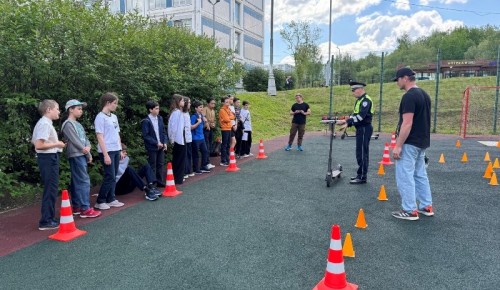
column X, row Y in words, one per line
column 363, row 26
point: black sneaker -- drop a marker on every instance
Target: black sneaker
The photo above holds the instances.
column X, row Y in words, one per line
column 224, row 164
column 356, row 177
column 357, row 181
column 205, row 170
column 198, row 172
column 404, row 215
column 150, row 195
column 52, row 225
column 426, row 161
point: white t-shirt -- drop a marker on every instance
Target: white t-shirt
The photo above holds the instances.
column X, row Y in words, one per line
column 44, row 130
column 108, row 126
column 246, row 120
column 187, row 127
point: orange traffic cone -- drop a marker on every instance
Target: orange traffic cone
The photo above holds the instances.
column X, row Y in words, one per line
column 335, row 277
column 386, row 159
column 441, row 158
column 67, row 228
column 232, row 162
column 464, row 158
column 457, row 144
column 493, row 180
column 393, row 140
column 496, row 164
column 489, row 170
column 498, row 144
column 348, row 249
column 382, row 195
column 170, row 189
column 487, row 157
column 261, row 155
column 381, row 170
column 361, row 222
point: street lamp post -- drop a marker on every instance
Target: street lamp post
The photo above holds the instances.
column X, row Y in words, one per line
column 213, row 2
column 271, row 82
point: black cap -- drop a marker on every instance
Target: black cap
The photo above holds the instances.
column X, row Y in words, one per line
column 405, row 71
column 355, row 85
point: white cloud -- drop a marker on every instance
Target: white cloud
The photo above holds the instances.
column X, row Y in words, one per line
column 447, row 2
column 402, row 5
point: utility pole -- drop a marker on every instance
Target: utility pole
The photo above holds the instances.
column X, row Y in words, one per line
column 213, row 2
column 271, row 84
column 438, row 71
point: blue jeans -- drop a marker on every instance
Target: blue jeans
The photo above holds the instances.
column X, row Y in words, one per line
column 80, row 182
column 411, row 178
column 48, row 163
column 107, row 190
column 197, row 146
column 224, row 148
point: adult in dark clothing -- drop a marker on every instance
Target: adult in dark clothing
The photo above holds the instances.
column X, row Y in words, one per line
column 413, row 138
column 361, row 119
column 300, row 110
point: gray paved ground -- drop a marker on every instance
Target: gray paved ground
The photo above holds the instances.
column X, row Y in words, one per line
column 268, row 227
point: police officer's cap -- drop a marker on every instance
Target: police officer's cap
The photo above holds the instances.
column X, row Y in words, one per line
column 356, row 85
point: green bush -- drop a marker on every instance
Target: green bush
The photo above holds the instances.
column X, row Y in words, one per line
column 255, row 80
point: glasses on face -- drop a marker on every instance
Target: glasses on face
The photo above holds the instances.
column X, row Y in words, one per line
column 352, row 90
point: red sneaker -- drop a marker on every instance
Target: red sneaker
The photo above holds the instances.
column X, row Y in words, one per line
column 90, row 213
column 427, row 211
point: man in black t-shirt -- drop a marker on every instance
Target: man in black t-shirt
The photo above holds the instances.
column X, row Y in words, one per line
column 299, row 111
column 413, row 138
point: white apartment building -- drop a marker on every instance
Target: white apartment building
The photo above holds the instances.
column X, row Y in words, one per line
column 239, row 24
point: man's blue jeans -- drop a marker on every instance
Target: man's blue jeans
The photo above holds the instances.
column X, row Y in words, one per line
column 80, row 182
column 411, row 179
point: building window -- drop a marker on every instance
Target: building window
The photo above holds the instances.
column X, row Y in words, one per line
column 237, row 9
column 157, row 4
column 178, row 3
column 183, row 23
column 237, row 42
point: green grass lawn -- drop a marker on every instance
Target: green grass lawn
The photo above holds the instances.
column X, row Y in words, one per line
column 270, row 116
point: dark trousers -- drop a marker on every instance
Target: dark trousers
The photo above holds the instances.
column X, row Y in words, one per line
column 363, row 136
column 224, row 148
column 209, row 139
column 197, row 147
column 48, row 163
column 301, row 128
column 189, row 158
column 246, row 145
column 178, row 162
column 237, row 147
column 132, row 179
column 156, row 160
column 108, row 186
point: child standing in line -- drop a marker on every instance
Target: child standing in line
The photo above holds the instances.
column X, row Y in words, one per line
column 176, row 130
column 78, row 152
column 189, row 138
column 109, row 147
column 198, row 144
column 155, row 141
column 246, row 139
column 47, row 147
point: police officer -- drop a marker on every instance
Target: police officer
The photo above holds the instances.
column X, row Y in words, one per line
column 362, row 120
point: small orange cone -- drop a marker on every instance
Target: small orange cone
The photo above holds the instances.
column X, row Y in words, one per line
column 487, row 157
column 493, row 180
column 464, row 158
column 386, row 159
column 496, row 164
column 335, row 277
column 381, row 170
column 348, row 249
column 393, row 140
column 441, row 158
column 382, row 195
column 498, row 144
column 261, row 155
column 67, row 228
column 488, row 171
column 232, row 162
column 170, row 189
column 457, row 144
column 361, row 222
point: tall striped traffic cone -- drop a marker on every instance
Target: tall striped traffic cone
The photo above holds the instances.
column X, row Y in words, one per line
column 67, row 228
column 232, row 162
column 393, row 141
column 170, row 189
column 386, row 158
column 261, row 155
column 335, row 277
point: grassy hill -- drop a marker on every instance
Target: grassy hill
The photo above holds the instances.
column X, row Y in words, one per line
column 270, row 116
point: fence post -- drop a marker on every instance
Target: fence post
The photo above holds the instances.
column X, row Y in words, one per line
column 438, row 71
column 496, row 95
column 381, row 90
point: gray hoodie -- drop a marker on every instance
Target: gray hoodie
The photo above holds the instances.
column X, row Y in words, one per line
column 74, row 135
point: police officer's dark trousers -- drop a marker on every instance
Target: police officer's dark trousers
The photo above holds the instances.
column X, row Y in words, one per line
column 363, row 136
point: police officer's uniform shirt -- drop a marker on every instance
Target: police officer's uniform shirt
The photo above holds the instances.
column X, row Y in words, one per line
column 363, row 112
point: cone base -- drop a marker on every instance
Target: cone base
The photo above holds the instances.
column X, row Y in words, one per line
column 66, row 237
column 171, row 193
column 386, row 162
column 382, row 198
column 232, row 169
column 361, row 226
column 321, row 286
column 261, row 157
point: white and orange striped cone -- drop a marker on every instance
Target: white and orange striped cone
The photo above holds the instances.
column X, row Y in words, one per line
column 335, row 277
column 232, row 162
column 170, row 189
column 393, row 141
column 386, row 158
column 261, row 155
column 67, row 228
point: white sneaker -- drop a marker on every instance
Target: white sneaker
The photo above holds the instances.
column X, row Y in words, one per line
column 191, row 174
column 101, row 206
column 250, row 154
column 210, row 166
column 186, row 176
column 246, row 155
column 115, row 203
